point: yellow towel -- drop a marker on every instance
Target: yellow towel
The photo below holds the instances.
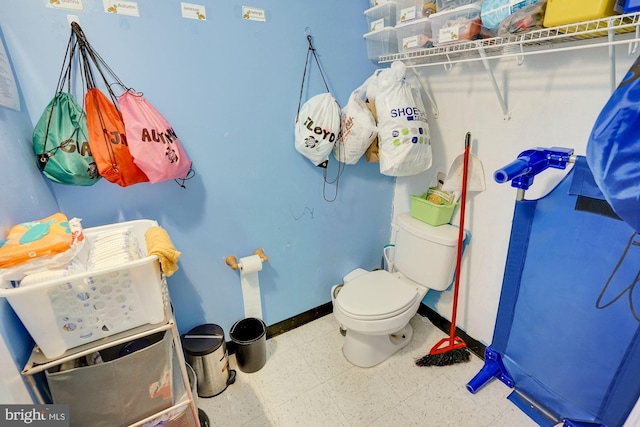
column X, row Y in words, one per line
column 159, row 244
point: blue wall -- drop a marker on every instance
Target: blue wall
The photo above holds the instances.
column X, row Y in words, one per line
column 230, row 88
column 25, row 196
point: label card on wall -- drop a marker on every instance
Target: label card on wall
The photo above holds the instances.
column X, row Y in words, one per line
column 193, row 11
column 253, row 14
column 66, row 4
column 129, row 8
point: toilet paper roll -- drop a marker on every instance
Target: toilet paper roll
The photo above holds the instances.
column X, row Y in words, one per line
column 249, row 268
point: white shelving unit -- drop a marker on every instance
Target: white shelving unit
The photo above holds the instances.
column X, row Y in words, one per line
column 606, row 32
column 38, row 363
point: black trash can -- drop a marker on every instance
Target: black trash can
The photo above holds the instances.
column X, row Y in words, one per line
column 250, row 337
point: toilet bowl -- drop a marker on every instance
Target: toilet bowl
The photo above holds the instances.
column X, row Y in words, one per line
column 375, row 307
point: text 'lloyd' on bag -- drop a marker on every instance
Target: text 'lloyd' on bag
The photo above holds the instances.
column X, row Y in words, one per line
column 318, row 128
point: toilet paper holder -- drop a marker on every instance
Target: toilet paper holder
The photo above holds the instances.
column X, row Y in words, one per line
column 232, row 261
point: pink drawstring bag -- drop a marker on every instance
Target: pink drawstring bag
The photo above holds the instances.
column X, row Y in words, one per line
column 155, row 147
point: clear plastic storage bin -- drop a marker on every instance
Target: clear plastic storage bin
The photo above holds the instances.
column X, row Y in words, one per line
column 414, row 35
column 381, row 42
column 381, row 16
column 456, row 25
column 66, row 312
column 407, row 10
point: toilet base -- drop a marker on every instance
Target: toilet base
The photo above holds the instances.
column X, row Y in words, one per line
column 368, row 350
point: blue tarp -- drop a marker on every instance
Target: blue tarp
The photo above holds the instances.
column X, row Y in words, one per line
column 613, row 150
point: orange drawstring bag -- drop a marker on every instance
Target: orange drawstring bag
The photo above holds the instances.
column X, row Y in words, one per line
column 105, row 126
column 108, row 142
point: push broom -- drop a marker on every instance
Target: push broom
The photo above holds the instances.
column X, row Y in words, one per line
column 453, row 349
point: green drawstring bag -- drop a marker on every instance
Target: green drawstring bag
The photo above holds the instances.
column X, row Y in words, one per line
column 60, row 138
column 61, row 145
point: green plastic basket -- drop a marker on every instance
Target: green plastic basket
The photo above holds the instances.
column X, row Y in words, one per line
column 429, row 212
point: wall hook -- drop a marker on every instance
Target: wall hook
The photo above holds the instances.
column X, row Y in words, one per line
column 73, row 18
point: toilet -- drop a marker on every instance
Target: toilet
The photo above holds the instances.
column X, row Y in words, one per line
column 374, row 307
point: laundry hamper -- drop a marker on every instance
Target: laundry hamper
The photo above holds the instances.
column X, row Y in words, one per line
column 121, row 390
column 84, row 307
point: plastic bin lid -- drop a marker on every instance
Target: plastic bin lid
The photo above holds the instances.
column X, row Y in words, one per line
column 377, row 34
column 411, row 22
column 202, row 339
column 374, row 9
column 458, row 11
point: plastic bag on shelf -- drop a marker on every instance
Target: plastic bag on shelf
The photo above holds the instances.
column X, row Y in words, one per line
column 528, row 18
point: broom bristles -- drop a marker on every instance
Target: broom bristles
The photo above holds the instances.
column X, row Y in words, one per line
column 447, row 358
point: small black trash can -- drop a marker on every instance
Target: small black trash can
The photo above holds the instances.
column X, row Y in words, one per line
column 250, row 337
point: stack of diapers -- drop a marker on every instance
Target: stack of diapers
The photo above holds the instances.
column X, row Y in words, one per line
column 113, row 248
column 104, row 250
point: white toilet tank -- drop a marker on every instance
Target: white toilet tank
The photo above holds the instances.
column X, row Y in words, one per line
column 424, row 253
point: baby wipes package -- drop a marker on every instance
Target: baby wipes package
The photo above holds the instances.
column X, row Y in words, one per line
column 35, row 239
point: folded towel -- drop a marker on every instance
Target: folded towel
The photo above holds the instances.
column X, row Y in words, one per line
column 159, row 244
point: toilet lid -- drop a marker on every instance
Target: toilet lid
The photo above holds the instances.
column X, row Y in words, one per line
column 376, row 294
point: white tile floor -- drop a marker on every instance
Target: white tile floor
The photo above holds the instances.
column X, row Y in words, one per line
column 308, row 382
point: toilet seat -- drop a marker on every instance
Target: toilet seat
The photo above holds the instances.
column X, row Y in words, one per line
column 376, row 295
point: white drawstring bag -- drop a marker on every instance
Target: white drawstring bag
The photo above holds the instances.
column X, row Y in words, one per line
column 358, row 129
column 318, row 128
column 403, row 132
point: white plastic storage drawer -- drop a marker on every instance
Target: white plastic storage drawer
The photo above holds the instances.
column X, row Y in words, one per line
column 381, row 42
column 381, row 16
column 407, row 10
column 456, row 25
column 414, row 35
column 66, row 312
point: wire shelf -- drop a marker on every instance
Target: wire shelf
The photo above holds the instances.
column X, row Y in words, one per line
column 597, row 32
